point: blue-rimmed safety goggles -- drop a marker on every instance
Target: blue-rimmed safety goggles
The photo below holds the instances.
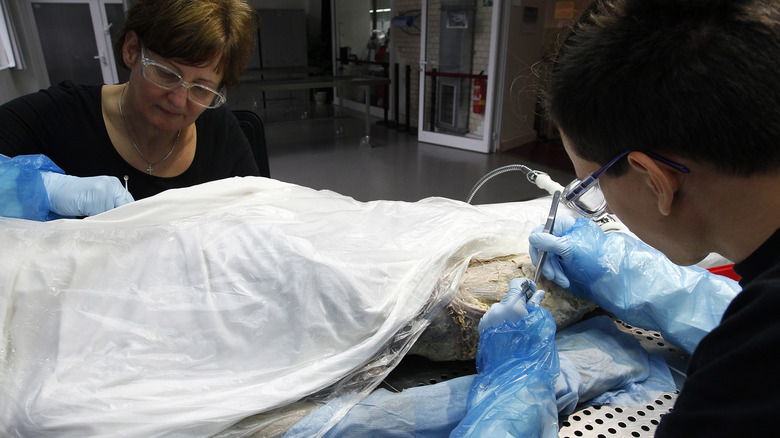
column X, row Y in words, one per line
column 585, row 196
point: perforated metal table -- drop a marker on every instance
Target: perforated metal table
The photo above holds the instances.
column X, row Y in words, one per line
column 629, row 421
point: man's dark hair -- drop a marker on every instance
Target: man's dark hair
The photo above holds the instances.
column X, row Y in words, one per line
column 697, row 78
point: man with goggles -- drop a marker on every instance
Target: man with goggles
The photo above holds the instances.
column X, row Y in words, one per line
column 669, row 112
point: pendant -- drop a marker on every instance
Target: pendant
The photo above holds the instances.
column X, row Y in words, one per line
column 149, row 169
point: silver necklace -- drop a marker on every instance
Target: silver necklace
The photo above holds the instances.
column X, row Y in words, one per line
column 149, row 165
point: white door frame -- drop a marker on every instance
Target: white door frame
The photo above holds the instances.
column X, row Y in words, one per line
column 102, row 37
column 487, row 143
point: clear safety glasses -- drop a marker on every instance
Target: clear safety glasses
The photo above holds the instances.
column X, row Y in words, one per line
column 585, row 196
column 168, row 79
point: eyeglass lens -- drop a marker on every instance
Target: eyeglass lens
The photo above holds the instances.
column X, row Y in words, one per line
column 592, row 199
column 169, row 80
column 590, row 202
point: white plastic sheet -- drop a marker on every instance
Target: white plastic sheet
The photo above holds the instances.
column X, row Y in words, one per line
column 181, row 314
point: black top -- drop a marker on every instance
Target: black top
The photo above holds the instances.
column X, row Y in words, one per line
column 732, row 388
column 65, row 123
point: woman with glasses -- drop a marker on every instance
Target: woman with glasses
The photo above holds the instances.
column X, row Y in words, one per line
column 167, row 127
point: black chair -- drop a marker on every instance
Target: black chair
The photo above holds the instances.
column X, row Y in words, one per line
column 253, row 130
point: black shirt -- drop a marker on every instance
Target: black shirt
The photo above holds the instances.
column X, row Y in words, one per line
column 733, row 388
column 65, row 123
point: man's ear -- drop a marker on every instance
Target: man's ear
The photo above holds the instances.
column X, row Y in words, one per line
column 664, row 182
column 131, row 49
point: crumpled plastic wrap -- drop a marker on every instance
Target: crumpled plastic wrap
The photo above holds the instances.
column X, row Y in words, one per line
column 184, row 313
column 602, row 365
column 599, row 364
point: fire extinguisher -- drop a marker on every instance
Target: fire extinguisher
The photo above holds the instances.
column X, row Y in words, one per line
column 480, row 87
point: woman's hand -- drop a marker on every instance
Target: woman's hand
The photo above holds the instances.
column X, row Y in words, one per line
column 73, row 196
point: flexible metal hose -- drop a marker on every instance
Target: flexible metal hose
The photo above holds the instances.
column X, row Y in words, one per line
column 541, row 179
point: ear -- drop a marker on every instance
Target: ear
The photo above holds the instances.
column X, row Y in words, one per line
column 664, row 182
column 131, row 49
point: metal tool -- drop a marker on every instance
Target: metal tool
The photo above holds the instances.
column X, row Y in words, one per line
column 548, row 227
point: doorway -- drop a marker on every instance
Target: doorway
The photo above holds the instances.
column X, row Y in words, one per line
column 75, row 39
column 361, row 40
column 456, row 77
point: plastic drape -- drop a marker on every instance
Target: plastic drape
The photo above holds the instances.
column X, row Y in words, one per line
column 187, row 312
column 428, row 411
column 599, row 364
column 22, row 194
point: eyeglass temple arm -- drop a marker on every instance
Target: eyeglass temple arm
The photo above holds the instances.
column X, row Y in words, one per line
column 668, row 162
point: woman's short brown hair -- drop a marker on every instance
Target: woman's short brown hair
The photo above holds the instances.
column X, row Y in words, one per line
column 195, row 32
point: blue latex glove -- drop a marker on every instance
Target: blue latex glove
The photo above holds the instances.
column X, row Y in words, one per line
column 517, row 362
column 634, row 281
column 554, row 245
column 74, row 196
column 513, row 306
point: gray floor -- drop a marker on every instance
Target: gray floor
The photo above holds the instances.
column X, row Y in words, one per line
column 325, row 153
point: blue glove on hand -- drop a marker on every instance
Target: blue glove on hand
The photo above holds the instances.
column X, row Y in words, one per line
column 633, row 281
column 513, row 306
column 567, row 242
column 517, row 364
column 72, row 196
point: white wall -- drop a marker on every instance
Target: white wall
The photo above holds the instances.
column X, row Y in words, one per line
column 8, row 88
column 353, row 25
column 523, row 48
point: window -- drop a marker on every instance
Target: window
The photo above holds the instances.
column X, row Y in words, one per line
column 10, row 56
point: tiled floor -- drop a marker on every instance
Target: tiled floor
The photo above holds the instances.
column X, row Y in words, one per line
column 396, row 166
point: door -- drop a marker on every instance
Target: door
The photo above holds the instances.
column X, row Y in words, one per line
column 360, row 49
column 75, row 38
column 450, row 66
column 522, row 36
